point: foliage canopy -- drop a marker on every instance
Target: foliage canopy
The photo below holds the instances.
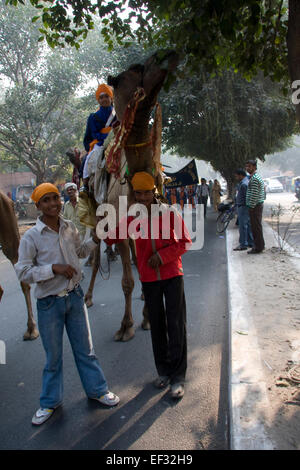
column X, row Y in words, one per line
column 245, row 35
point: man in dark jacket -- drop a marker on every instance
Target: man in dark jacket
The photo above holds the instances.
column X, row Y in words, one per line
column 246, row 238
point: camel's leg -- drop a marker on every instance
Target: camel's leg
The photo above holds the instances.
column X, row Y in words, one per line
column 96, row 261
column 145, row 323
column 126, row 331
column 133, row 251
column 1, row 292
column 32, row 331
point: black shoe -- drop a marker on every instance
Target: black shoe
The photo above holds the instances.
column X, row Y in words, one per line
column 162, row 381
column 240, row 248
column 253, row 252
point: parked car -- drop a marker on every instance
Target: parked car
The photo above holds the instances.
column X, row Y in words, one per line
column 273, row 185
column 286, row 181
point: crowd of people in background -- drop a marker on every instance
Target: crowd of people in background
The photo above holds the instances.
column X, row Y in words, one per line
column 249, row 199
column 196, row 194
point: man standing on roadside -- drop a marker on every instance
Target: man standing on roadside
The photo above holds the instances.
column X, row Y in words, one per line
column 246, row 238
column 202, row 194
column 255, row 202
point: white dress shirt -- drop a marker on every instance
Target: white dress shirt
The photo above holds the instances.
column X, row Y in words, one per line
column 41, row 247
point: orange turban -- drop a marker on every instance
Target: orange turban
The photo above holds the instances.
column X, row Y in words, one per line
column 103, row 88
column 43, row 189
column 142, row 181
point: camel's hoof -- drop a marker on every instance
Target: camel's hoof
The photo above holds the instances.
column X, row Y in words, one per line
column 129, row 334
column 124, row 335
column 30, row 336
column 118, row 335
column 145, row 325
column 88, row 302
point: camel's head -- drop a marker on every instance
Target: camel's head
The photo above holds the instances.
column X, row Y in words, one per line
column 74, row 156
column 149, row 76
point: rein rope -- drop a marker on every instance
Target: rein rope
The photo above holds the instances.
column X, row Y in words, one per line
column 113, row 151
column 101, row 270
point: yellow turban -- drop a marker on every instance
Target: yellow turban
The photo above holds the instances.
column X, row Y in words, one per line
column 103, row 88
column 43, row 189
column 142, row 181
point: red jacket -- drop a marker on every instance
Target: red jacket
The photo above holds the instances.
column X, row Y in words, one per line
column 169, row 240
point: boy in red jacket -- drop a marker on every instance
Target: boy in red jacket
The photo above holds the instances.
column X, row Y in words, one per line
column 162, row 239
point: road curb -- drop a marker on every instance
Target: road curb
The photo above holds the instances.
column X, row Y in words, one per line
column 247, row 389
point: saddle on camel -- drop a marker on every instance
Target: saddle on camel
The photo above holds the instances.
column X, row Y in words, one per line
column 130, row 147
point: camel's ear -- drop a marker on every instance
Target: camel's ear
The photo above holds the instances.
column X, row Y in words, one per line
column 156, row 70
column 138, row 68
column 112, row 81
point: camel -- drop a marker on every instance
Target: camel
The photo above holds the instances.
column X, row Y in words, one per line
column 141, row 84
column 127, row 247
column 9, row 239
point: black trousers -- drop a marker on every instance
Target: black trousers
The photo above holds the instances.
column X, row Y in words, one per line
column 165, row 301
column 203, row 200
column 256, row 226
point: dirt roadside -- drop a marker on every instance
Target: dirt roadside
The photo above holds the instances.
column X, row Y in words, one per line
column 272, row 303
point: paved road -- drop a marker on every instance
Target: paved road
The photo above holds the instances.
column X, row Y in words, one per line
column 146, row 419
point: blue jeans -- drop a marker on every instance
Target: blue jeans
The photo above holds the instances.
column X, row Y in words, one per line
column 54, row 313
column 246, row 238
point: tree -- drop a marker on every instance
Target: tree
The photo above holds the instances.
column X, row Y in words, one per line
column 247, row 36
column 288, row 160
column 226, row 120
column 98, row 62
column 38, row 118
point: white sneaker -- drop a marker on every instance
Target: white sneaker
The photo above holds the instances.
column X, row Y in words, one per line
column 108, row 399
column 177, row 390
column 41, row 415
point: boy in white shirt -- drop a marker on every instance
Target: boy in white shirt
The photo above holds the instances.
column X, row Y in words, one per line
column 49, row 256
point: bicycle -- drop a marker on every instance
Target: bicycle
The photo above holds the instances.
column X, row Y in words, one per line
column 228, row 212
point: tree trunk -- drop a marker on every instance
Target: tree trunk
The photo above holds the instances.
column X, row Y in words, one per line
column 293, row 44
column 40, row 178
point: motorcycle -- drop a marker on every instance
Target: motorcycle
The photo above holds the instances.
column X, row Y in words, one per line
column 20, row 210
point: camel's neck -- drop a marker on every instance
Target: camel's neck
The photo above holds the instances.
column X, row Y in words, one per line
column 9, row 232
column 140, row 131
column 138, row 148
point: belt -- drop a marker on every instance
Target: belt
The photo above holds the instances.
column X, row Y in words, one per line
column 65, row 292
